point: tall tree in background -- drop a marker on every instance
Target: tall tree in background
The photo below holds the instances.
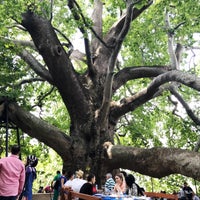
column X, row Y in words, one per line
column 132, row 57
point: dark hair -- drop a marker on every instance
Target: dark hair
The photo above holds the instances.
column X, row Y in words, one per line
column 124, row 173
column 58, row 172
column 69, row 174
column 90, row 177
column 32, row 161
column 15, row 149
column 130, row 179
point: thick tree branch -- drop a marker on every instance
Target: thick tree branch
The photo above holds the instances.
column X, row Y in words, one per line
column 104, row 110
column 155, row 162
column 97, row 25
column 97, row 17
column 39, row 129
column 131, row 73
column 187, row 79
column 118, row 26
column 133, row 102
column 60, row 67
column 103, row 52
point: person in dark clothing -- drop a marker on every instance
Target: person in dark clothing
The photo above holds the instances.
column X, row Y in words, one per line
column 41, row 190
column 55, row 185
column 132, row 187
column 62, row 181
column 88, row 187
column 187, row 191
column 31, row 163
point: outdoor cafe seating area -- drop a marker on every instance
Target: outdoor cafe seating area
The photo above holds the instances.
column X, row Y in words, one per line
column 71, row 195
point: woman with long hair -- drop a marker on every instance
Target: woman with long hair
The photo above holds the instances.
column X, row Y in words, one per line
column 89, row 186
column 31, row 175
column 120, row 186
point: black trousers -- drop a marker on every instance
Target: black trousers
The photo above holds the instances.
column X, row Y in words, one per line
column 8, row 198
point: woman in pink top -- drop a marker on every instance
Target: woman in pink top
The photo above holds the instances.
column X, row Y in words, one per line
column 120, row 186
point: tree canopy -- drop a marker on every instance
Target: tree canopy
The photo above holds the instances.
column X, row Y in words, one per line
column 106, row 84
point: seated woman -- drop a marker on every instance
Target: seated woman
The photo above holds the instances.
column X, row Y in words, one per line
column 133, row 188
column 120, row 186
column 88, row 187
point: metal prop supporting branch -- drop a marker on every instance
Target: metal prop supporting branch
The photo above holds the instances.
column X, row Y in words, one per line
column 6, row 108
column 7, row 127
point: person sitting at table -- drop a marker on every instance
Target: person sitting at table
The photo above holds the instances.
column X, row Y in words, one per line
column 110, row 183
column 120, row 186
column 88, row 187
column 133, row 188
column 70, row 178
column 77, row 182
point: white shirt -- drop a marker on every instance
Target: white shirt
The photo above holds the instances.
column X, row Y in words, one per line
column 76, row 184
column 68, row 183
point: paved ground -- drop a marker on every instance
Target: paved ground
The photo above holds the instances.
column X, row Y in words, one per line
column 43, row 196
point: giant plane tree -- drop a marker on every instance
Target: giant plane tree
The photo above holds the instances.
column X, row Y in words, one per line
column 109, row 68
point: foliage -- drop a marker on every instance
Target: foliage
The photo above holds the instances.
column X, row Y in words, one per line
column 152, row 124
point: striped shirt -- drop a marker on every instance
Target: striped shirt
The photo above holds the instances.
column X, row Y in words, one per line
column 110, row 183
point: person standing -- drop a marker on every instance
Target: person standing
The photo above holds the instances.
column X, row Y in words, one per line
column 12, row 175
column 31, row 163
column 55, row 184
column 62, row 181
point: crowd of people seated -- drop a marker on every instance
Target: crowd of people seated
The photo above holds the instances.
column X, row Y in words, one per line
column 121, row 184
column 187, row 193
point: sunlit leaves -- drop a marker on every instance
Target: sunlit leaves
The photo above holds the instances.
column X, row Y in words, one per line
column 153, row 124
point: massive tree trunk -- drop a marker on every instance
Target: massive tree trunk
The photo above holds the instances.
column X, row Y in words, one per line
column 88, row 99
column 84, row 152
